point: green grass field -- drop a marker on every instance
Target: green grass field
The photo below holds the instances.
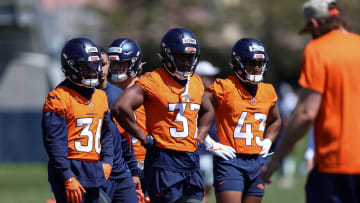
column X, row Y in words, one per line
column 24, row 183
column 28, row 183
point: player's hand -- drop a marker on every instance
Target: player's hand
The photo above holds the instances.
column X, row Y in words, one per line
column 223, row 151
column 73, row 190
column 268, row 169
column 266, row 148
column 107, row 170
column 140, row 196
column 149, row 142
column 137, row 182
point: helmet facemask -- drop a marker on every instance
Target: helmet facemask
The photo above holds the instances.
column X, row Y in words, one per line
column 250, row 71
column 179, row 64
column 86, row 74
column 123, row 70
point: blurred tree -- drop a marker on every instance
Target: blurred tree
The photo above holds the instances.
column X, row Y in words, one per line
column 218, row 24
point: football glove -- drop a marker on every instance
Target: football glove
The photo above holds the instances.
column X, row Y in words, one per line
column 140, row 196
column 266, row 148
column 73, row 190
column 150, row 142
column 220, row 150
column 107, row 170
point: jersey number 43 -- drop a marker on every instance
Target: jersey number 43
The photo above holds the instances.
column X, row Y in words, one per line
column 248, row 135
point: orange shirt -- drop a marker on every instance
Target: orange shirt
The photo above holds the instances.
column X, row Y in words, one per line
column 241, row 118
column 84, row 120
column 140, row 151
column 330, row 66
column 171, row 121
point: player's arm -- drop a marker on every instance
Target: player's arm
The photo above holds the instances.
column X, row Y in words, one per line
column 129, row 155
column 273, row 124
column 107, row 130
column 218, row 149
column 123, row 111
column 106, row 154
column 55, row 137
column 206, row 114
column 299, row 124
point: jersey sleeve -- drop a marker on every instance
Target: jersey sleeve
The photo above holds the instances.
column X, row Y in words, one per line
column 274, row 95
column 217, row 90
column 55, row 138
column 56, row 103
column 146, row 82
column 129, row 155
column 106, row 141
column 312, row 73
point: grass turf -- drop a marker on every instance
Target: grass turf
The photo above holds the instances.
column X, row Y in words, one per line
column 28, row 183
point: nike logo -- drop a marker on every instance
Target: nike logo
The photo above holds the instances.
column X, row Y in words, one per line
column 221, row 182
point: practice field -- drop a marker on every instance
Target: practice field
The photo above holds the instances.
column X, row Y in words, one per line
column 24, row 183
column 28, row 183
column 274, row 194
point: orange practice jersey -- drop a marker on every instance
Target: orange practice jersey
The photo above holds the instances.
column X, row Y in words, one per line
column 139, row 150
column 83, row 118
column 172, row 121
column 241, row 118
column 333, row 72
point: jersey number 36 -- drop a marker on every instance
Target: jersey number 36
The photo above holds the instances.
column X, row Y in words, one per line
column 92, row 140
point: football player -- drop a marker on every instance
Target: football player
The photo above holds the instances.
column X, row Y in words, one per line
column 247, row 119
column 76, row 126
column 125, row 58
column 120, row 186
column 176, row 118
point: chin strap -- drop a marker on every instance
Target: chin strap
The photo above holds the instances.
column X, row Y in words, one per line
column 185, row 95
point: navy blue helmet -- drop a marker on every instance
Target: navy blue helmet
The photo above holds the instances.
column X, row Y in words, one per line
column 249, row 60
column 125, row 59
column 81, row 62
column 180, row 52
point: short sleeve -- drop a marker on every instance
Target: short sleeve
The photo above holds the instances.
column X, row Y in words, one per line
column 147, row 83
column 217, row 90
column 274, row 97
column 55, row 103
column 312, row 73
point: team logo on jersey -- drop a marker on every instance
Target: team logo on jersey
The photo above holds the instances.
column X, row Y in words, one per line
column 253, row 101
column 91, row 49
column 256, row 48
column 189, row 41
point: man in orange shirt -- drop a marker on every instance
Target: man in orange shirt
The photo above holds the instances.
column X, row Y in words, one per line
column 328, row 99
